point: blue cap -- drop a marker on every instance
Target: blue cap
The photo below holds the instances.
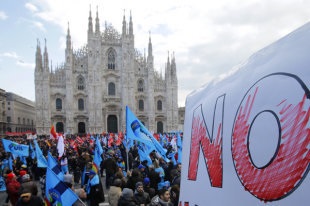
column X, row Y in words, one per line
column 146, row 181
column 141, row 166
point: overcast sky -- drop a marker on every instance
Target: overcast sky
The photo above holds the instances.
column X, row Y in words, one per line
column 208, row 37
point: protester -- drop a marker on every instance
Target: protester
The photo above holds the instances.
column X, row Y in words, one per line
column 162, row 199
column 148, row 188
column 141, row 197
column 110, row 167
column 127, row 198
column 134, row 177
column 115, row 192
column 12, row 187
column 174, row 194
column 82, row 197
column 27, row 199
column 28, row 185
column 94, row 189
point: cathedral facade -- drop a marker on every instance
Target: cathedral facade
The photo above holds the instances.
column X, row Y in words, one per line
column 89, row 92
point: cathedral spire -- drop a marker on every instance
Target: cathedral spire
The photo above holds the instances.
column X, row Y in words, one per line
column 90, row 22
column 130, row 26
column 38, row 57
column 173, row 66
column 150, row 48
column 97, row 23
column 150, row 58
column 68, row 43
column 124, row 25
column 45, row 61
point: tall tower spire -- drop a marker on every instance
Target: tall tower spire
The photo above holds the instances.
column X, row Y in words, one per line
column 97, row 23
column 38, row 57
column 68, row 43
column 150, row 48
column 150, row 58
column 130, row 26
column 45, row 61
column 173, row 67
column 124, row 25
column 90, row 22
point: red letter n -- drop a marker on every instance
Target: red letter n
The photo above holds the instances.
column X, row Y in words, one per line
column 210, row 143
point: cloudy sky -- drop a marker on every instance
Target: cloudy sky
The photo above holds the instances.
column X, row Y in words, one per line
column 208, row 37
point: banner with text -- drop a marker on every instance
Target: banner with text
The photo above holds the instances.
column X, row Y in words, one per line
column 247, row 135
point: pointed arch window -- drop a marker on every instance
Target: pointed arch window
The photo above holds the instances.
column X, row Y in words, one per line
column 140, row 85
column 159, row 105
column 141, row 105
column 81, row 83
column 111, row 89
column 58, row 104
column 81, row 104
column 111, row 59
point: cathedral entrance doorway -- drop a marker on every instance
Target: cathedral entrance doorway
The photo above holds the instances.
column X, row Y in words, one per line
column 81, row 128
column 60, row 127
column 160, row 128
column 112, row 124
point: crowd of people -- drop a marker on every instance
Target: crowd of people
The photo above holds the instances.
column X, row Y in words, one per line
column 127, row 179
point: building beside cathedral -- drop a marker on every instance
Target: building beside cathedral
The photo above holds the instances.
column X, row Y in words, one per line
column 89, row 92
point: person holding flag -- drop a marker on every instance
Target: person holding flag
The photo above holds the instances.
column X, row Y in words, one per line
column 94, row 190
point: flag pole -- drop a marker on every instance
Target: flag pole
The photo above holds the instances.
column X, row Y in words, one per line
column 127, row 161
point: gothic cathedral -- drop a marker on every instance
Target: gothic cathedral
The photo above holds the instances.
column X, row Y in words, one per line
column 89, row 92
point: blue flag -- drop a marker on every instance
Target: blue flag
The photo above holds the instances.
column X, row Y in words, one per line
column 41, row 160
column 97, row 157
column 54, row 166
column 56, row 191
column 31, row 151
column 179, row 145
column 137, row 131
column 15, row 148
column 2, row 184
column 143, row 155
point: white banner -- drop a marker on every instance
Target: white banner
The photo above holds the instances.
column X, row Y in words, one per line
column 247, row 137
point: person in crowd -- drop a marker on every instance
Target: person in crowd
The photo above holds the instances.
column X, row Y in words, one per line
column 94, row 189
column 68, row 180
column 154, row 178
column 22, row 171
column 64, row 164
column 174, row 194
column 162, row 199
column 80, row 192
column 120, row 175
column 115, row 192
column 127, row 198
column 142, row 170
column 28, row 185
column 134, row 177
column 12, row 187
column 141, row 197
column 175, row 177
column 27, row 199
column 148, row 188
column 110, row 167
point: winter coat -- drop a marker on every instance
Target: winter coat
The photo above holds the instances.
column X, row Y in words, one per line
column 142, row 198
column 126, row 202
column 12, row 190
column 113, row 195
column 156, row 201
column 34, row 201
